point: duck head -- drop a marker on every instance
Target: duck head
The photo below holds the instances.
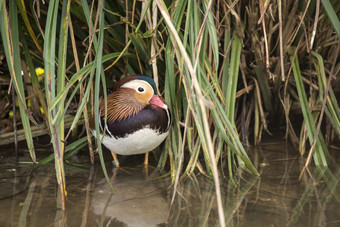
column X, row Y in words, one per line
column 130, row 95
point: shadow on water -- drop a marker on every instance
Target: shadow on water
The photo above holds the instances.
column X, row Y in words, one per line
column 277, row 198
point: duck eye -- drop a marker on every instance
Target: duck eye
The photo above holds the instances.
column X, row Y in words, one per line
column 140, row 89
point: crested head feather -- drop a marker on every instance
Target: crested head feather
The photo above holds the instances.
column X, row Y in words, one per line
column 126, row 79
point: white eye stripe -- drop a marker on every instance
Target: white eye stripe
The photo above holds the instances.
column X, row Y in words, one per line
column 137, row 85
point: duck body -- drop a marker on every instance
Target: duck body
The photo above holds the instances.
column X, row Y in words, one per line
column 138, row 120
column 138, row 134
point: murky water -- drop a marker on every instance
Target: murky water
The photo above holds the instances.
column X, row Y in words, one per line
column 277, row 198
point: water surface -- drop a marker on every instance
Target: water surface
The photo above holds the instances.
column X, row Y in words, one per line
column 277, row 198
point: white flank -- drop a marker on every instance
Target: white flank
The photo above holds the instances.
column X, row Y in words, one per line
column 140, row 142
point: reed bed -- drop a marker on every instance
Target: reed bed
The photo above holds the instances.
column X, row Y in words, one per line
column 231, row 72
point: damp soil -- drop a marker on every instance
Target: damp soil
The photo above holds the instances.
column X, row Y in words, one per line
column 277, row 198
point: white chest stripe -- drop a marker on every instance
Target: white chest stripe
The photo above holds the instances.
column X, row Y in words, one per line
column 108, row 131
column 169, row 119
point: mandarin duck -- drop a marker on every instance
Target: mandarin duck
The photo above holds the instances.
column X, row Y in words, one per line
column 138, row 119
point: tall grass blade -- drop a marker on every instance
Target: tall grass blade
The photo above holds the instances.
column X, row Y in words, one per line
column 35, row 80
column 49, row 61
column 62, row 54
column 23, row 13
column 332, row 107
column 332, row 16
column 100, row 77
column 320, row 147
column 10, row 39
column 231, row 85
column 232, row 78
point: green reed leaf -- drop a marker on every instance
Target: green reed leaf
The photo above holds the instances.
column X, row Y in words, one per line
column 320, row 147
column 9, row 26
column 332, row 107
column 332, row 16
column 98, row 76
